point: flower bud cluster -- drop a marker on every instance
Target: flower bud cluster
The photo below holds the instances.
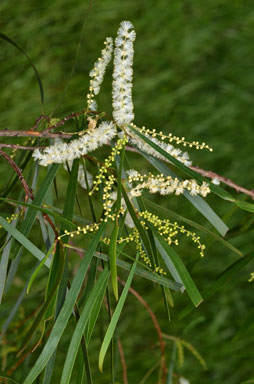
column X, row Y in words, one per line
column 98, row 72
column 89, row 228
column 14, row 216
column 135, row 140
column 171, row 138
column 112, row 198
column 108, row 162
column 123, row 73
column 62, row 152
column 251, row 277
column 169, row 230
column 135, row 237
column 164, row 185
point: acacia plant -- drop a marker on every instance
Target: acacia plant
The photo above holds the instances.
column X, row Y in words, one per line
column 127, row 232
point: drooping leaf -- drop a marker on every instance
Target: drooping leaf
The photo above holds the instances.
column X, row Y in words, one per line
column 48, row 211
column 59, row 258
column 178, row 270
column 245, row 206
column 23, row 240
column 114, row 320
column 112, row 259
column 99, row 287
column 65, row 313
column 37, row 270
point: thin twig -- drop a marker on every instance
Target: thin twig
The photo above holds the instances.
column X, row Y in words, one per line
column 12, row 133
column 124, row 366
column 17, row 146
column 42, row 117
column 47, row 134
column 17, row 170
column 64, row 120
column 224, row 180
column 27, row 189
column 212, row 175
column 156, row 326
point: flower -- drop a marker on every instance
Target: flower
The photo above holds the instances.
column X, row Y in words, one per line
column 98, row 72
column 123, row 73
column 216, row 181
column 183, row 157
column 164, row 185
column 62, row 152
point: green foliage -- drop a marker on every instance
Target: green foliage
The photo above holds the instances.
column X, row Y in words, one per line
column 193, row 77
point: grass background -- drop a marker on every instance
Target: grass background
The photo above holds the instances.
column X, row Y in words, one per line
column 193, row 76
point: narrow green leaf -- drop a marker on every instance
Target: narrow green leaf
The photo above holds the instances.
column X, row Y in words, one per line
column 59, row 259
column 71, row 193
column 115, row 317
column 197, row 201
column 37, row 270
column 146, row 274
column 48, row 211
column 139, row 227
column 4, row 264
column 23, row 240
column 80, row 327
column 39, row 198
column 80, row 368
column 66, row 311
column 220, row 281
column 112, row 259
column 245, row 206
column 6, row 38
column 13, row 312
column 94, row 315
column 175, row 265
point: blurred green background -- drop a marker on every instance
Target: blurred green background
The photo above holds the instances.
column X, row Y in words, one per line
column 193, row 76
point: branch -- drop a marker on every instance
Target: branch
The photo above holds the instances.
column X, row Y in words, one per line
column 42, row 117
column 12, row 133
column 64, row 120
column 49, row 135
column 224, row 180
column 123, row 362
column 156, row 326
column 17, row 146
column 27, row 189
column 17, row 170
column 213, row 175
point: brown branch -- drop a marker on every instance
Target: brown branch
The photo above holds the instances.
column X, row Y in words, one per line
column 64, row 120
column 17, row 146
column 124, row 366
column 156, row 326
column 17, row 170
column 212, row 175
column 27, row 189
column 47, row 134
column 42, row 117
column 12, row 133
column 224, row 180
